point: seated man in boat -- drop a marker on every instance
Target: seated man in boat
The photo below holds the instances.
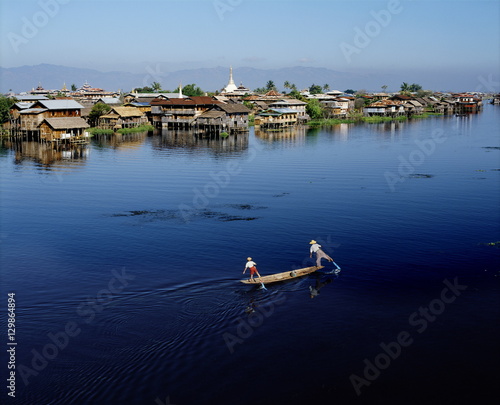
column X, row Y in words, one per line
column 251, row 265
column 316, row 248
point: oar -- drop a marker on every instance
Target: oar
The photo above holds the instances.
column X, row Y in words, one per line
column 263, row 286
column 336, row 265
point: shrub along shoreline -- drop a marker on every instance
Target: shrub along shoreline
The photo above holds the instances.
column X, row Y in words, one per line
column 101, row 131
column 371, row 120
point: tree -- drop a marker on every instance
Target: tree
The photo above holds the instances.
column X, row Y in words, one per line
column 5, row 105
column 359, row 103
column 145, row 89
column 314, row 109
column 384, row 88
column 410, row 88
column 405, row 87
column 98, row 110
column 73, row 87
column 415, row 87
column 315, row 89
column 349, row 91
column 287, row 85
column 296, row 94
column 326, row 87
column 156, row 87
column 270, row 86
column 191, row 90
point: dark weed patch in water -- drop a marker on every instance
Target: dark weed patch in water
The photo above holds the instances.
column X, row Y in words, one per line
column 420, row 176
column 167, row 215
column 245, row 207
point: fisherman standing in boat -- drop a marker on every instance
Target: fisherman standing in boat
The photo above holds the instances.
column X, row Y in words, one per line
column 316, row 248
column 251, row 265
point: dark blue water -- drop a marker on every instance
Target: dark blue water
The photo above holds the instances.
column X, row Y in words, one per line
column 125, row 257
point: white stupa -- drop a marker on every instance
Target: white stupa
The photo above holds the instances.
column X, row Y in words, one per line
column 231, row 87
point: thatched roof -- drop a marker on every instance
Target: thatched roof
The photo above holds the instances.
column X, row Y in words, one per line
column 66, row 122
column 123, row 112
column 233, row 108
column 212, row 114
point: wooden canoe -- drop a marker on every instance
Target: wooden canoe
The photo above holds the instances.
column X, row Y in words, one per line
column 286, row 275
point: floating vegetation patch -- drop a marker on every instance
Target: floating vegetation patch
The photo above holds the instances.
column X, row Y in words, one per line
column 491, row 244
column 189, row 215
column 245, row 207
column 280, row 195
column 420, row 176
column 491, row 147
column 228, row 218
column 495, row 170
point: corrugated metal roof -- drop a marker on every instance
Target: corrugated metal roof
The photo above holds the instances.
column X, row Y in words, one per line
column 293, row 101
column 285, row 110
column 109, row 100
column 60, row 104
column 23, row 105
column 33, row 111
column 29, row 97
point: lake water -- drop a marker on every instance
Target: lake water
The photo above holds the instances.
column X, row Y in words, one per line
column 125, row 255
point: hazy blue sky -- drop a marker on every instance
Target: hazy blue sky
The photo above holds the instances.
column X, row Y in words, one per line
column 425, row 36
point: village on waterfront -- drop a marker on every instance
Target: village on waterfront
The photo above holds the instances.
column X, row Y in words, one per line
column 74, row 116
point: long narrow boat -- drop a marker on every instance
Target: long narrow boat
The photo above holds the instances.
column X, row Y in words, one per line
column 286, row 275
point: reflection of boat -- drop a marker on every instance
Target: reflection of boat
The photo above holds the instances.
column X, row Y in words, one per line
column 286, row 275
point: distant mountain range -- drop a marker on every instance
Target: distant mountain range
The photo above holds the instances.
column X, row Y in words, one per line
column 24, row 78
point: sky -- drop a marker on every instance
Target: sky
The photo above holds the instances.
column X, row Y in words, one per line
column 421, row 37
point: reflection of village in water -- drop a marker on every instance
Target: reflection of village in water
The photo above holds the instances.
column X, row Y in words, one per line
column 297, row 135
column 46, row 154
column 194, row 140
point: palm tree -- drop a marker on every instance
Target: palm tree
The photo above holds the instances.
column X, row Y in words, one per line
column 156, row 87
column 270, row 85
column 405, row 87
column 326, row 87
column 384, row 88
